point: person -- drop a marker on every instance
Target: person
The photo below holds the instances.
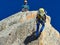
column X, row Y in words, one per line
column 40, row 19
column 25, row 7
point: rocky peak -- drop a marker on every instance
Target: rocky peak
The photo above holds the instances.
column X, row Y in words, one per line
column 15, row 29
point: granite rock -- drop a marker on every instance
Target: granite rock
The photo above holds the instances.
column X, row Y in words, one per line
column 16, row 28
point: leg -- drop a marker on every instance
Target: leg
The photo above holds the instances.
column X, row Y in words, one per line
column 43, row 25
column 37, row 29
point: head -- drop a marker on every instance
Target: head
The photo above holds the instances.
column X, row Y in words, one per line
column 41, row 10
column 25, row 2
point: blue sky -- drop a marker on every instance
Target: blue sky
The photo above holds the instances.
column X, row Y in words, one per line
column 9, row 7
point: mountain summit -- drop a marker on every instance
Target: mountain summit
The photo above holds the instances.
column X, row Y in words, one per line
column 15, row 29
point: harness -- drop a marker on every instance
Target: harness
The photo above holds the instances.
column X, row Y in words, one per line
column 41, row 18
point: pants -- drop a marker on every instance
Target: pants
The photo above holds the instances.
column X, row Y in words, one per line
column 38, row 31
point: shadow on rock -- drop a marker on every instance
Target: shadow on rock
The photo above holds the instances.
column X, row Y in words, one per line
column 30, row 38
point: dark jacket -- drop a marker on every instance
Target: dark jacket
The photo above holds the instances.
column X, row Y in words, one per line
column 39, row 17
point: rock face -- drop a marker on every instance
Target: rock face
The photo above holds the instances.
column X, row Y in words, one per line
column 49, row 36
column 15, row 29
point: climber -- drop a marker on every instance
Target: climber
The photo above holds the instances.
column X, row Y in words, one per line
column 25, row 7
column 40, row 19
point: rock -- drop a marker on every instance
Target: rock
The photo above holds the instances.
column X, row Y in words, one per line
column 49, row 36
column 15, row 29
